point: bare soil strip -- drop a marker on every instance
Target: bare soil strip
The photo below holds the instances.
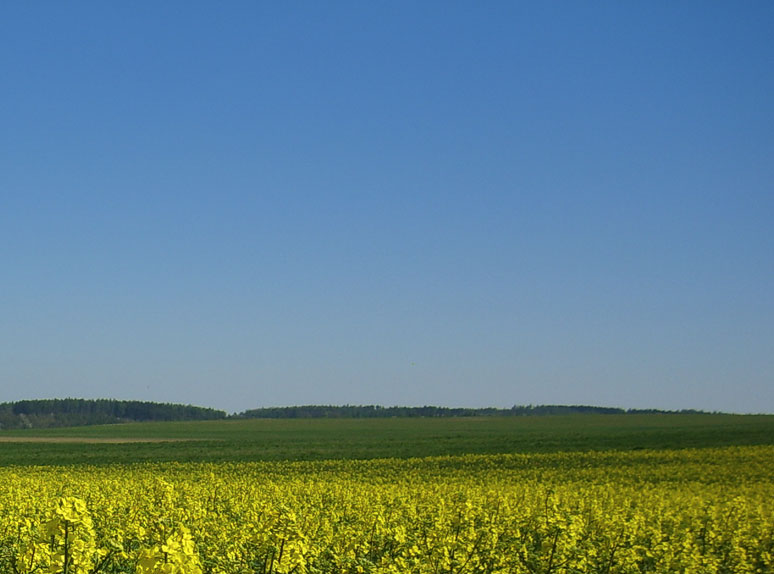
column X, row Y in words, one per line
column 87, row 440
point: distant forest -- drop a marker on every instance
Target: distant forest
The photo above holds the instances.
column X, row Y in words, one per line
column 49, row 413
column 375, row 411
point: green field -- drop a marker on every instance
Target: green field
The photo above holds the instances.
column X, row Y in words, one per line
column 559, row 494
column 319, row 439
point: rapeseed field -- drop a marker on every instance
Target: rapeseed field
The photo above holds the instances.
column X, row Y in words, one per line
column 684, row 511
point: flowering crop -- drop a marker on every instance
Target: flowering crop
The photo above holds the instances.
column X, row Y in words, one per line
column 691, row 511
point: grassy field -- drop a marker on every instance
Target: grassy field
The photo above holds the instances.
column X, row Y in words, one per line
column 320, row 439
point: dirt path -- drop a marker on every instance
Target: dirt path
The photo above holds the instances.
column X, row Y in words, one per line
column 87, row 440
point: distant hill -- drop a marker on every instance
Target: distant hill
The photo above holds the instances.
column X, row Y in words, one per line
column 47, row 413
column 376, row 411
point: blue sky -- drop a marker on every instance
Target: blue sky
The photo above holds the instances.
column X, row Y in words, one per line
column 464, row 204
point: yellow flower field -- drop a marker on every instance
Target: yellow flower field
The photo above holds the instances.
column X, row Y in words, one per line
column 690, row 511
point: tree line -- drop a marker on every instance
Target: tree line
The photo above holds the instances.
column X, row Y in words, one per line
column 376, row 411
column 47, row 413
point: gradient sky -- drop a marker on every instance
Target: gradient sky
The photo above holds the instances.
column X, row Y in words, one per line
column 249, row 204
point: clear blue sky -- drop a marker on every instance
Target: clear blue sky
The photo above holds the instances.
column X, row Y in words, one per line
column 249, row 204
